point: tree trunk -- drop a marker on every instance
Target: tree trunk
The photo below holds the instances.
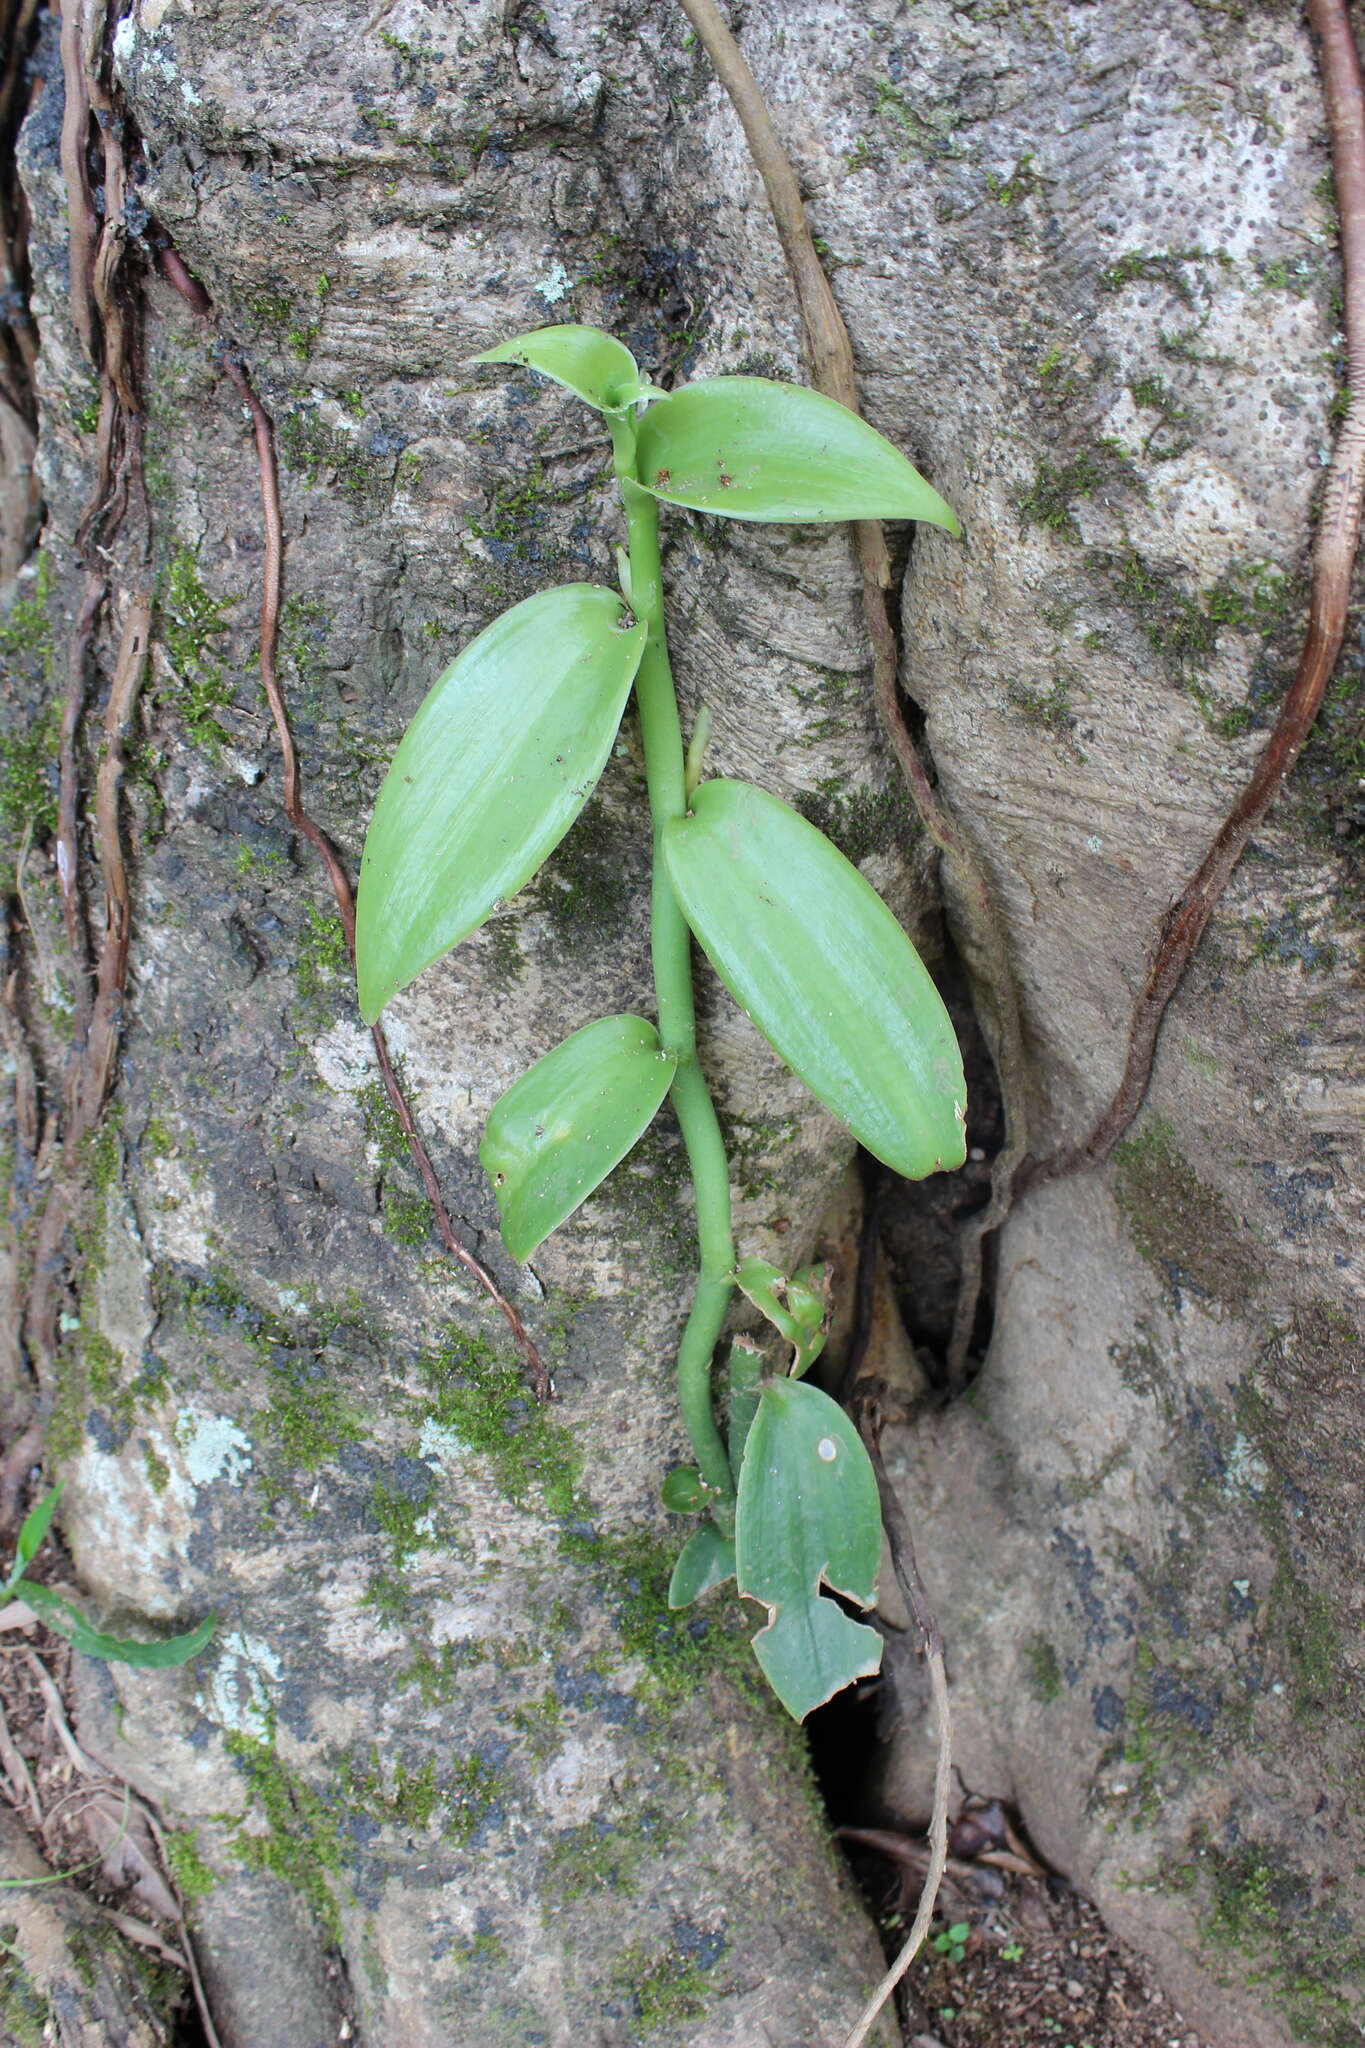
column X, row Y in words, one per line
column 455, row 1772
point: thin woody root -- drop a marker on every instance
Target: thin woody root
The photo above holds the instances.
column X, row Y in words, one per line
column 199, row 302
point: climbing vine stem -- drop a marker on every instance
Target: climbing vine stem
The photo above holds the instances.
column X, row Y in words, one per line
column 671, row 953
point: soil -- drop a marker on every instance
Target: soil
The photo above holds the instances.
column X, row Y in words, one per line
column 1038, row 1970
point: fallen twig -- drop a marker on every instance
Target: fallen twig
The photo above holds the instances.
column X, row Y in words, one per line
column 860, row 1396
column 938, row 1838
column 1334, row 554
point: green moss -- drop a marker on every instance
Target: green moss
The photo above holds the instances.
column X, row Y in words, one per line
column 1170, row 436
column 1327, row 785
column 407, row 1213
column 1298, row 275
column 1023, row 182
column 157, row 1470
column 481, row 1952
column 305, row 1425
column 92, row 1375
column 471, row 1791
column 919, row 127
column 1288, row 940
column 593, row 1861
column 28, row 745
column 322, row 968
column 380, row 1121
column 1045, row 1670
column 318, row 452
column 270, row 308
column 28, row 789
column 584, row 889
column 681, row 1649
column 192, row 624
column 1182, row 345
column 1180, row 1224
column 435, row 1675
column 1083, row 1487
column 1057, row 487
column 157, row 1141
column 665, row 1985
column 305, row 628
column 27, row 630
column 407, row 1218
column 27, row 2018
column 405, row 1795
column 1183, row 626
column 85, row 413
column 537, row 1722
column 1047, row 710
column 499, row 942
column 301, row 1843
column 1143, row 1744
column 1143, row 1369
column 309, row 1418
column 192, row 1875
column 862, row 821
column 1313, row 1640
column 398, row 1515
column 1163, row 266
column 1261, row 1912
column 649, row 1194
column 389, row 1595
column 483, row 1399
column 750, row 1143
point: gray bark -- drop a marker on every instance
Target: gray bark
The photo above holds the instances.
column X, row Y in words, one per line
column 457, row 1775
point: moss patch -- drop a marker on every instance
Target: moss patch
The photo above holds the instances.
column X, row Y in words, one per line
column 1170, row 267
column 362, row 470
column 680, row 1649
column 322, row 968
column 192, row 624
column 193, row 1877
column 667, row 1984
column 1057, row 487
column 861, row 821
column 300, row 1843
column 1044, row 1668
column 28, row 746
column 25, row 2011
column 1179, row 1224
column 483, row 1399
column 1262, row 1911
column 407, row 1213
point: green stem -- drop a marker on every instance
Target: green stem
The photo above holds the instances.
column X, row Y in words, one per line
column 671, row 950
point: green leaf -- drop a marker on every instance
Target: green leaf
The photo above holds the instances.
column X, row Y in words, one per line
column 795, row 1307
column 559, row 1130
column 36, row 1525
column 808, row 1515
column 596, row 367
column 707, row 1559
column 810, row 952
column 68, row 1621
column 501, row 757
column 752, row 449
column 746, row 1370
column 684, row 1491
